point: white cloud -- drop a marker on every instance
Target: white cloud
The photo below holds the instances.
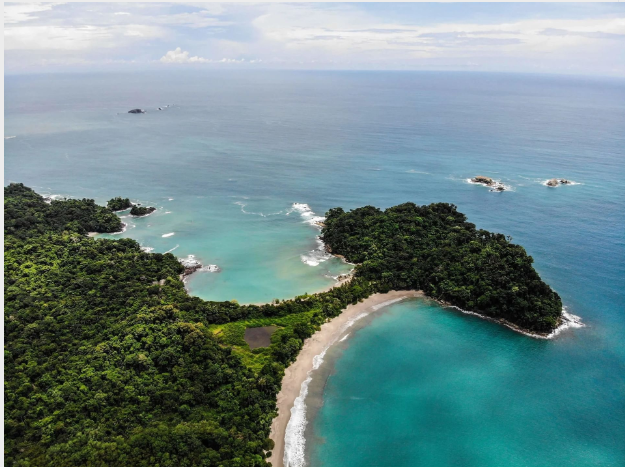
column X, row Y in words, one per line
column 178, row 56
column 281, row 35
column 345, row 30
column 182, row 56
column 77, row 38
column 20, row 12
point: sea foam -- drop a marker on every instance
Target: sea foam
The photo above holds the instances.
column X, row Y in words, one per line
column 569, row 320
column 242, row 205
column 294, row 440
column 319, row 254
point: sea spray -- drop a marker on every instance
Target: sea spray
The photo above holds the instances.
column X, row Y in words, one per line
column 294, row 440
column 569, row 320
column 319, row 254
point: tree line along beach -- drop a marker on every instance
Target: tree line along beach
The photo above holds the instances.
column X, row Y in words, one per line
column 115, row 289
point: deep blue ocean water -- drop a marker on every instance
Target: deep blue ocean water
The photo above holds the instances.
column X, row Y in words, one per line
column 418, row 385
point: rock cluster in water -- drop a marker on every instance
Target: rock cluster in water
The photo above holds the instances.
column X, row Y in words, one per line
column 558, row 181
column 191, row 265
column 136, row 111
column 487, row 181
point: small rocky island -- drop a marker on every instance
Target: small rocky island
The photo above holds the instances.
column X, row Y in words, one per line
column 118, row 204
column 136, row 111
column 487, row 181
column 557, row 181
column 140, row 211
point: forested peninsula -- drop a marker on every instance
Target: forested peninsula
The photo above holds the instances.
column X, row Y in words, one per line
column 109, row 362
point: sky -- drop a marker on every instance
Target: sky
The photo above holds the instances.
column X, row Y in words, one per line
column 572, row 38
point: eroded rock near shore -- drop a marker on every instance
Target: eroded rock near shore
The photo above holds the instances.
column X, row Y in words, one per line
column 552, row 182
column 192, row 265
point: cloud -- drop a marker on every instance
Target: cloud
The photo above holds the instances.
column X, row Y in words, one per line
column 178, row 56
column 344, row 30
column 182, row 56
column 19, row 12
column 78, row 38
column 304, row 35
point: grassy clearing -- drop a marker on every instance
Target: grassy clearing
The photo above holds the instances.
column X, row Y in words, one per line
column 232, row 335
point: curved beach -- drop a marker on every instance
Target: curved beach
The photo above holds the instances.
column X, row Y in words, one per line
column 297, row 374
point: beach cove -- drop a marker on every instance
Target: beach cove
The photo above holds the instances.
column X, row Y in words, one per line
column 291, row 398
column 218, row 173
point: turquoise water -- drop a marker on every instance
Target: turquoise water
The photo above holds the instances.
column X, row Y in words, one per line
column 442, row 388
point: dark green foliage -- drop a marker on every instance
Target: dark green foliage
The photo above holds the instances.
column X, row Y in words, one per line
column 433, row 248
column 26, row 214
column 109, row 362
column 141, row 210
column 118, row 204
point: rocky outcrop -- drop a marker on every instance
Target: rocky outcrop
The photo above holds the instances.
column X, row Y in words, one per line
column 136, row 111
column 483, row 180
column 192, row 265
column 557, row 181
column 487, row 181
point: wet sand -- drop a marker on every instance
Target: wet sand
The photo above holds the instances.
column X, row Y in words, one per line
column 297, row 373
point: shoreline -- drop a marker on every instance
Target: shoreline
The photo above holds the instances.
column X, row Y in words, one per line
column 294, row 383
column 297, row 376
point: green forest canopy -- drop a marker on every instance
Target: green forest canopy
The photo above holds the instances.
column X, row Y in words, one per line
column 108, row 361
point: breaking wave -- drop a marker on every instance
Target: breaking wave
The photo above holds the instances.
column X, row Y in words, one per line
column 319, row 254
column 294, row 440
column 569, row 320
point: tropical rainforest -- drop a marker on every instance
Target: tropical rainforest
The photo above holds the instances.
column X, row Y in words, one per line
column 109, row 362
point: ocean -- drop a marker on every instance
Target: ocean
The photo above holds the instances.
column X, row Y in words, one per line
column 240, row 164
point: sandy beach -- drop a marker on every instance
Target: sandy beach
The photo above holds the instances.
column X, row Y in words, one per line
column 297, row 373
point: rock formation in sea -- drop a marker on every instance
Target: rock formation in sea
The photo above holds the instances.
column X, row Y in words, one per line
column 483, row 179
column 136, row 111
column 487, row 181
column 141, row 210
column 557, row 181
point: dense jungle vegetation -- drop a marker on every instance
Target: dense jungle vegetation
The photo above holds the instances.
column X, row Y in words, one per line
column 108, row 361
column 141, row 210
column 118, row 204
column 433, row 248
